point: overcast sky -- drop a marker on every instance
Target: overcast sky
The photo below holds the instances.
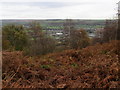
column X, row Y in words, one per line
column 58, row 9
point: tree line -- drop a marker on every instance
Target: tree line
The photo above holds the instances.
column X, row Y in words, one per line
column 33, row 41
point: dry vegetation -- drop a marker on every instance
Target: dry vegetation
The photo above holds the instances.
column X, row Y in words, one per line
column 92, row 67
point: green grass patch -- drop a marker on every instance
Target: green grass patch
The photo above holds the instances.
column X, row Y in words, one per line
column 45, row 66
column 104, row 52
column 74, row 65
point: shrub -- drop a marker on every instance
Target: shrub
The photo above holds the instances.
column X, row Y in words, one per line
column 14, row 37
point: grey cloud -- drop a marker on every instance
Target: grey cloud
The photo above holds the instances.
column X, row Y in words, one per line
column 46, row 4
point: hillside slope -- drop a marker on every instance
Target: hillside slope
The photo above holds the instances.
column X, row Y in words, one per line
column 92, row 67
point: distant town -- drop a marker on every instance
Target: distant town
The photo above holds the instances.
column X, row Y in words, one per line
column 54, row 27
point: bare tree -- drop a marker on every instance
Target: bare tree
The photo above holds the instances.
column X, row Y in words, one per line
column 69, row 26
column 39, row 43
column 118, row 30
column 110, row 30
column 79, row 39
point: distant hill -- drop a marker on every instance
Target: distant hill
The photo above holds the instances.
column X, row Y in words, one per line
column 59, row 22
